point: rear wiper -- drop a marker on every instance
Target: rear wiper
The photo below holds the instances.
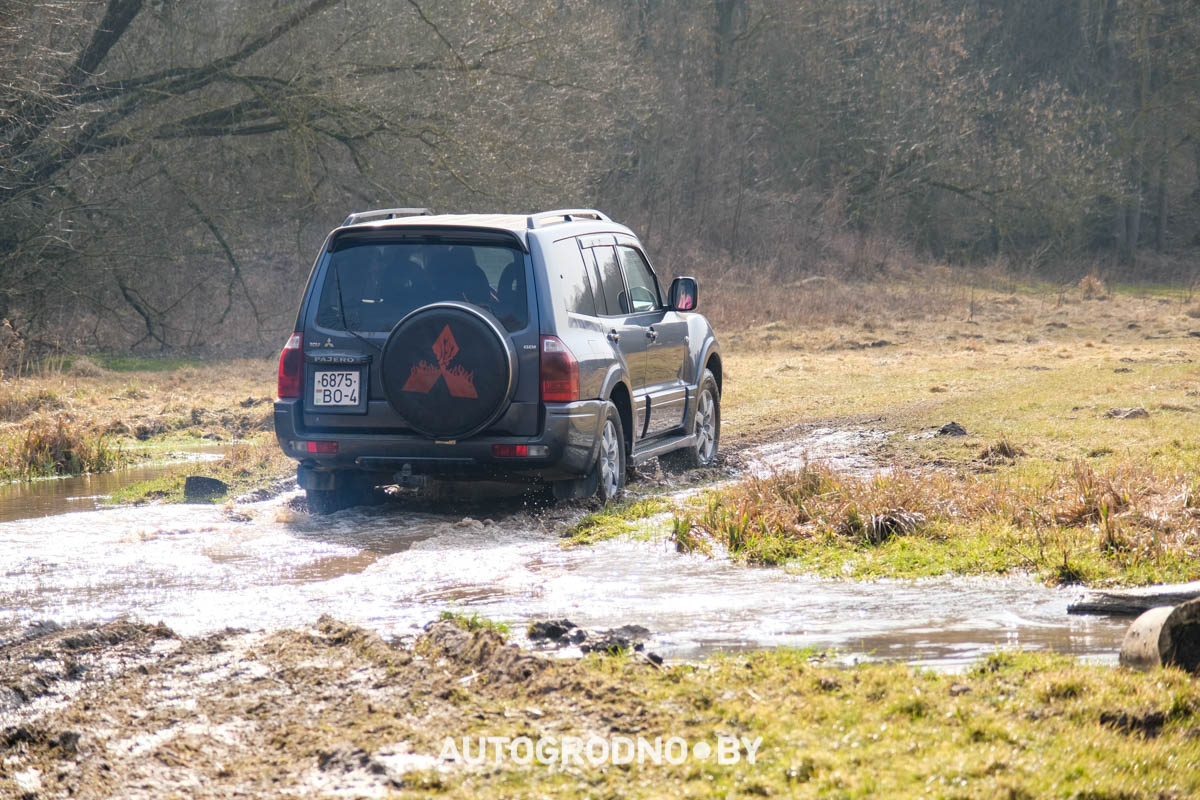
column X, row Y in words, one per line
column 337, row 281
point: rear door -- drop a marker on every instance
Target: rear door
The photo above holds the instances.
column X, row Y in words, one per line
column 664, row 336
column 630, row 339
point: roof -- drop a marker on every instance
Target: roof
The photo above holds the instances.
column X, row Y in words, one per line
column 561, row 222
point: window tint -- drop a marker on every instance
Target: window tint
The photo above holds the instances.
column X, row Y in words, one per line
column 371, row 286
column 612, row 287
column 643, row 288
column 571, row 275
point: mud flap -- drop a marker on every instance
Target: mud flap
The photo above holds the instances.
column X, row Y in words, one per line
column 579, row 488
column 321, row 480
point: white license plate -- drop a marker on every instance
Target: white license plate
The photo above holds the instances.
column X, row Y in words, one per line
column 335, row 388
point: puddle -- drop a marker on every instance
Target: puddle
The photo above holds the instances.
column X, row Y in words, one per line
column 394, row 568
column 49, row 496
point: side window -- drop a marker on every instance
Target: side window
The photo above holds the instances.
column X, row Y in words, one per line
column 573, row 283
column 611, row 284
column 643, row 288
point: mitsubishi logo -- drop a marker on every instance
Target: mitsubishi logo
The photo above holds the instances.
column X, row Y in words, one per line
column 424, row 375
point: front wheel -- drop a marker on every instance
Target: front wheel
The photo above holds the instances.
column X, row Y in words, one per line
column 707, row 428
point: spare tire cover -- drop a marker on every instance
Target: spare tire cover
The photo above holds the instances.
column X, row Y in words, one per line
column 448, row 370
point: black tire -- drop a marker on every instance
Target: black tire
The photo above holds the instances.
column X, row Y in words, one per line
column 612, row 449
column 607, row 476
column 706, row 424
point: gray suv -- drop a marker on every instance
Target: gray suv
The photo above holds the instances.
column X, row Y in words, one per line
column 499, row 347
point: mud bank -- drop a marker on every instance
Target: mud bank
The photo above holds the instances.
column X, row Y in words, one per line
column 132, row 710
column 333, row 710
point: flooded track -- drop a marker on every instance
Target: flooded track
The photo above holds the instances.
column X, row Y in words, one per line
column 395, row 567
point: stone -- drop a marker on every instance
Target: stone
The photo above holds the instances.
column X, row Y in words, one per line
column 1127, row 413
column 555, row 629
column 200, row 488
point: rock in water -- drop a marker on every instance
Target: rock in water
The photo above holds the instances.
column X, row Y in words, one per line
column 550, row 629
column 199, row 488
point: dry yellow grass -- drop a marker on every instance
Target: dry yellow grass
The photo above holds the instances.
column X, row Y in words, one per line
column 1042, row 370
column 88, row 408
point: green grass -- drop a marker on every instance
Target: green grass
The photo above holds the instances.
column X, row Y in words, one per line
column 245, row 467
column 124, row 362
column 1014, row 726
column 616, row 520
column 1075, row 525
column 474, row 622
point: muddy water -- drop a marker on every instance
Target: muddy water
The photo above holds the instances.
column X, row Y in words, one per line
column 50, row 496
column 393, row 568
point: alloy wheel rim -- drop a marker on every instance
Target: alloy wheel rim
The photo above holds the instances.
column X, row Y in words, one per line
column 705, row 427
column 610, row 454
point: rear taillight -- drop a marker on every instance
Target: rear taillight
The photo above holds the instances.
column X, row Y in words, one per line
column 291, row 367
column 560, row 372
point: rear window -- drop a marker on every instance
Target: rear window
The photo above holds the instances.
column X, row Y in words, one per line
column 370, row 286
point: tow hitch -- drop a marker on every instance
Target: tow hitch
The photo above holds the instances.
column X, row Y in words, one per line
column 406, row 480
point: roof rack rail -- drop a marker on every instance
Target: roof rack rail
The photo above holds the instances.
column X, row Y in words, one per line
column 385, row 213
column 564, row 215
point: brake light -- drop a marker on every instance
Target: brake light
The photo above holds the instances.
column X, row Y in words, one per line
column 560, row 372
column 328, row 448
column 510, row 450
column 291, row 368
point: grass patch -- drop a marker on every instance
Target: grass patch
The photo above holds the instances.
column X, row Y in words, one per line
column 52, row 447
column 1133, row 525
column 245, row 467
column 615, row 520
column 124, row 362
column 1017, row 725
column 474, row 622
column 77, row 414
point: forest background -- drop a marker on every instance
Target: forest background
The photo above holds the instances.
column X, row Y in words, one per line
column 168, row 170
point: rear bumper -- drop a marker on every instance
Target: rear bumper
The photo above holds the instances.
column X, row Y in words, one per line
column 570, row 434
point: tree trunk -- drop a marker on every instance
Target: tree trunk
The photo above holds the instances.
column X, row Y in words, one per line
column 731, row 21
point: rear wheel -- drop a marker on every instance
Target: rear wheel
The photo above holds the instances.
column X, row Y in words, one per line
column 607, row 475
column 707, row 429
column 610, row 462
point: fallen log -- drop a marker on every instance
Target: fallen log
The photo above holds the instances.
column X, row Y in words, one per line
column 1164, row 636
column 1131, row 602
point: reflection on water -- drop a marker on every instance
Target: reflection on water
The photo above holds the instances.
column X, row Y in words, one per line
column 395, row 568
column 45, row 497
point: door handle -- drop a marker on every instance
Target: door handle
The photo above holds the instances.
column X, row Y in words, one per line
column 613, row 336
column 651, row 334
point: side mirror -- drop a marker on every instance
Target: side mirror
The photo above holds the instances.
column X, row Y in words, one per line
column 685, row 295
